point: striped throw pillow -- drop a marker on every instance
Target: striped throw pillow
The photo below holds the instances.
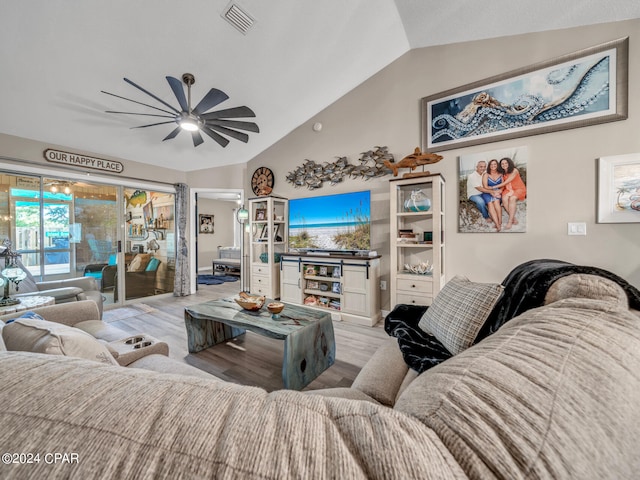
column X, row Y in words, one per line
column 459, row 311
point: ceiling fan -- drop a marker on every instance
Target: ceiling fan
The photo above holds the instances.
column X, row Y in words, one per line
column 196, row 120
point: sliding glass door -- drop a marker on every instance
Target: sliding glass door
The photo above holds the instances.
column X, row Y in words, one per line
column 149, row 243
column 67, row 229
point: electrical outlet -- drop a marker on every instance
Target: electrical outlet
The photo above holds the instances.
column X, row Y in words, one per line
column 383, row 285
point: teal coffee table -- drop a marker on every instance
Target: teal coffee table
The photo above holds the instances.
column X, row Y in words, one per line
column 309, row 343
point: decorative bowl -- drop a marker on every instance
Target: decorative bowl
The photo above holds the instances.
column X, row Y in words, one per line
column 250, row 302
column 275, row 307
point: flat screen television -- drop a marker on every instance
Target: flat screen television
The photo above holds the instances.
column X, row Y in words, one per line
column 331, row 223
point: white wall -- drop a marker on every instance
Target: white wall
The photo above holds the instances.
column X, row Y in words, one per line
column 223, row 220
column 385, row 110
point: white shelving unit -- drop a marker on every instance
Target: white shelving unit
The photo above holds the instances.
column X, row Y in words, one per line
column 343, row 284
column 268, row 217
column 406, row 287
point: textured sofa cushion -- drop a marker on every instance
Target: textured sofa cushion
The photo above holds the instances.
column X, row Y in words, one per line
column 382, row 375
column 42, row 336
column 130, row 423
column 459, row 311
column 102, row 330
column 549, row 395
column 581, row 285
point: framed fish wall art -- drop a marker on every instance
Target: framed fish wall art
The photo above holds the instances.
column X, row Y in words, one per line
column 576, row 90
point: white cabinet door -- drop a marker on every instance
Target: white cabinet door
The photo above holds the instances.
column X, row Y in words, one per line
column 355, row 289
column 290, row 290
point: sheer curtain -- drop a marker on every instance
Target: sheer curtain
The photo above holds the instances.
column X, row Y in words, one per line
column 182, row 284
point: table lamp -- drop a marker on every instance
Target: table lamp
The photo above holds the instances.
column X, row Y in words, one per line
column 11, row 273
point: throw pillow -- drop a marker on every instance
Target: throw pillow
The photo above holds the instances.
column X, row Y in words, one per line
column 139, row 262
column 153, row 265
column 459, row 311
column 42, row 336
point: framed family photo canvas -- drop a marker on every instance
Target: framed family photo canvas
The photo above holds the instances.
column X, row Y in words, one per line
column 619, row 189
column 576, row 90
column 493, row 191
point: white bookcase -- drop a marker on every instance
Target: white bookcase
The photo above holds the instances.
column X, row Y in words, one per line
column 268, row 217
column 417, row 237
column 343, row 284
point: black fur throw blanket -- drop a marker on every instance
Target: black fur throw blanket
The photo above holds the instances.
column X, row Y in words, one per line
column 524, row 288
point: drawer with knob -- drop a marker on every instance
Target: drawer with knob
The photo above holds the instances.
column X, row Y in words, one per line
column 407, row 299
column 414, row 286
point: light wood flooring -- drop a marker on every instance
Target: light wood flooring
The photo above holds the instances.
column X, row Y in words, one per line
column 249, row 359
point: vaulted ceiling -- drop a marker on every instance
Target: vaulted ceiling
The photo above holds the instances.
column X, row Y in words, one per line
column 298, row 57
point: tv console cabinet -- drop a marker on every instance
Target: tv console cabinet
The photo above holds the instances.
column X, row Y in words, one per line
column 345, row 285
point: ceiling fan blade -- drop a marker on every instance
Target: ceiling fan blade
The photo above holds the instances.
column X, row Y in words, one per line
column 210, row 100
column 216, row 136
column 173, row 133
column 178, row 91
column 154, row 124
column 144, row 114
column 243, row 137
column 139, row 103
column 248, row 126
column 150, row 94
column 235, row 112
column 197, row 138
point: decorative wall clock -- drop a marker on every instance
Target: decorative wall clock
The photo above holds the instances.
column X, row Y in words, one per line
column 262, row 181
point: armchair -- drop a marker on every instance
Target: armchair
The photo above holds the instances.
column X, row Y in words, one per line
column 104, row 273
column 67, row 290
column 140, row 277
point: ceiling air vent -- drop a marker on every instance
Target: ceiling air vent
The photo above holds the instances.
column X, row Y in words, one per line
column 237, row 17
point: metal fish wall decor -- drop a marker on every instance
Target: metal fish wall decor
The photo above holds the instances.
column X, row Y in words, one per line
column 313, row 175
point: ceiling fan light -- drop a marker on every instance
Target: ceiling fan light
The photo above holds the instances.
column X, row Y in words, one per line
column 189, row 125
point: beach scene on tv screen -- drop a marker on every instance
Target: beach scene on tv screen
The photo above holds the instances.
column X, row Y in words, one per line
column 331, row 222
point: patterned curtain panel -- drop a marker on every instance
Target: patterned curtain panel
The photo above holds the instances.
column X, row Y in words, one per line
column 182, row 286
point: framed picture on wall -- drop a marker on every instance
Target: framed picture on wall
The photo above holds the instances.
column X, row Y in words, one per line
column 619, row 189
column 493, row 191
column 579, row 89
column 205, row 223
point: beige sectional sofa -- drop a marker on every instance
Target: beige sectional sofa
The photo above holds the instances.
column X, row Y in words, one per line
column 552, row 394
column 76, row 328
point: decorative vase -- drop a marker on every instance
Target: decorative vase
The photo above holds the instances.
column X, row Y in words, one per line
column 417, row 202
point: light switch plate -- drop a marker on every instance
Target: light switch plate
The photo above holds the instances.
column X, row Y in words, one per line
column 577, row 228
